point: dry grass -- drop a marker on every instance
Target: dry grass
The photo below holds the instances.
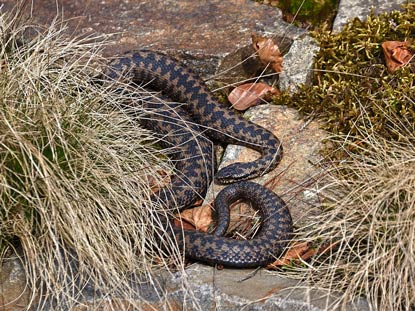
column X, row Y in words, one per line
column 371, row 218
column 75, row 171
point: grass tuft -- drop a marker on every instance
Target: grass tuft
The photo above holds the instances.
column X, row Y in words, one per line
column 75, row 171
column 369, row 217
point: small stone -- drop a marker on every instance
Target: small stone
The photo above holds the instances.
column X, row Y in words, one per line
column 349, row 9
column 298, row 64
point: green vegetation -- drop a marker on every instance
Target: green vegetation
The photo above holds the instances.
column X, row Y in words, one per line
column 314, row 12
column 369, row 188
column 351, row 77
column 306, row 13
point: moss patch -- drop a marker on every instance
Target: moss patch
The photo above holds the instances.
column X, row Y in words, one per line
column 351, row 77
column 306, row 13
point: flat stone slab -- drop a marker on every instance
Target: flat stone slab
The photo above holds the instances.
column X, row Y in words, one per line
column 202, row 33
column 295, row 176
column 200, row 287
column 247, row 289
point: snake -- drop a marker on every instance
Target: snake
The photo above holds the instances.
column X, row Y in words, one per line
column 189, row 126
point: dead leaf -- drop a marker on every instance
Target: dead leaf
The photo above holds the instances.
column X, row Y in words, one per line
column 198, row 218
column 157, row 182
column 247, row 95
column 397, row 54
column 299, row 251
column 295, row 252
column 268, row 52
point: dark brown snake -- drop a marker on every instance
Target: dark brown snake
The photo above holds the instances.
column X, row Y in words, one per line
column 203, row 119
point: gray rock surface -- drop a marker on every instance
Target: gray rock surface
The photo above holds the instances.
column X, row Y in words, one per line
column 201, row 287
column 298, row 64
column 248, row 289
column 349, row 9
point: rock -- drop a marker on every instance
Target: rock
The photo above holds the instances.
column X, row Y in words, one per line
column 205, row 34
column 14, row 295
column 298, row 64
column 206, row 288
column 234, row 290
column 349, row 9
column 294, row 177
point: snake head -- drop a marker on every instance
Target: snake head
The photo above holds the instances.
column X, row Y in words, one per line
column 236, row 172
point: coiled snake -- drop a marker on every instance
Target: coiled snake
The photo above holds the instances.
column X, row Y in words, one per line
column 202, row 119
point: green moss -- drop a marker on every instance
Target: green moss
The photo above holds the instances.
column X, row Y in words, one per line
column 313, row 11
column 306, row 13
column 351, row 77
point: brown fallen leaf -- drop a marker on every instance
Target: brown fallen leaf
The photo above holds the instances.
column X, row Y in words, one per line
column 198, row 218
column 397, row 54
column 295, row 252
column 268, row 52
column 299, row 251
column 161, row 180
column 250, row 94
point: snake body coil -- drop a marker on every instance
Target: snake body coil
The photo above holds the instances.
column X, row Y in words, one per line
column 189, row 128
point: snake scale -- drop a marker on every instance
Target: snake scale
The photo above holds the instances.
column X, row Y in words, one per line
column 189, row 129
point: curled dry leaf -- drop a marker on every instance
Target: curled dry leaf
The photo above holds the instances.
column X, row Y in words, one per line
column 296, row 251
column 397, row 54
column 268, row 52
column 299, row 251
column 247, row 95
column 161, row 180
column 198, row 217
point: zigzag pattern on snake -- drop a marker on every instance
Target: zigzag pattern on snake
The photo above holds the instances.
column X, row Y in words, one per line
column 202, row 119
